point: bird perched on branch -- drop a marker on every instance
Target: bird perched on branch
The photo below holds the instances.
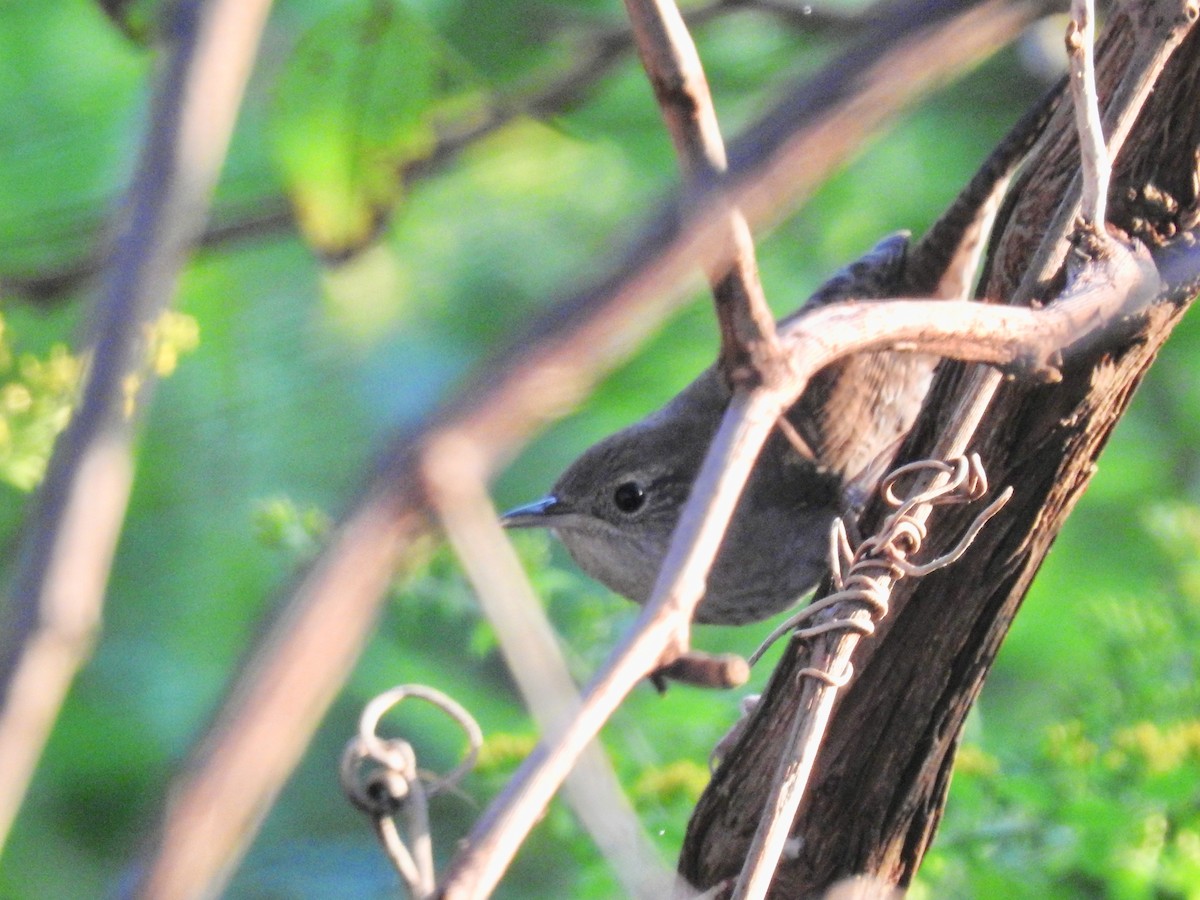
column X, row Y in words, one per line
column 616, row 507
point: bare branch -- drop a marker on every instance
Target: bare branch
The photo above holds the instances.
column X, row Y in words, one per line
column 1081, row 36
column 749, row 346
column 66, row 547
column 661, row 632
column 1160, row 26
column 1155, row 45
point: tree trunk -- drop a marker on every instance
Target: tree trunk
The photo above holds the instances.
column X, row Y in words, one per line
column 876, row 795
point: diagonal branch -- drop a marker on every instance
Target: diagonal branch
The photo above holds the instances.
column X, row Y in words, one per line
column 458, row 494
column 53, row 606
column 748, row 342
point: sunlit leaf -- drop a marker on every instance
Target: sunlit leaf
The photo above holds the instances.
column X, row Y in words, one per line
column 350, row 108
column 36, row 396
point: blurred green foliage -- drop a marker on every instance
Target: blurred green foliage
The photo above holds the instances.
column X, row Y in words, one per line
column 353, row 104
column 1103, row 799
column 1079, row 775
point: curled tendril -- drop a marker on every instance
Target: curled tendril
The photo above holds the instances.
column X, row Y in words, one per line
column 380, row 777
column 871, row 571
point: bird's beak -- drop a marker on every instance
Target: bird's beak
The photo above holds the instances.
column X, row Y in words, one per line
column 539, row 514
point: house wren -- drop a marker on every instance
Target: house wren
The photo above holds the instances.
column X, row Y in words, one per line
column 616, row 507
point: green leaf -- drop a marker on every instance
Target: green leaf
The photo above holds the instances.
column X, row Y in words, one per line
column 350, row 108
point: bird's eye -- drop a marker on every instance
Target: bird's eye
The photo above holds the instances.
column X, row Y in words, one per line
column 629, row 497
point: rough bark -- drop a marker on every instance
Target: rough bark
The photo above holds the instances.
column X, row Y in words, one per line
column 881, row 780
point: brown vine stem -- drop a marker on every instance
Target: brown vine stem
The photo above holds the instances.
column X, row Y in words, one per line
column 749, row 345
column 842, row 620
column 55, row 601
column 661, row 632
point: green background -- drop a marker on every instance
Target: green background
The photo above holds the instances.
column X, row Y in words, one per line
column 1081, row 770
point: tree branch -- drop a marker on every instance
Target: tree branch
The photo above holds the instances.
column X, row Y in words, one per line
column 1119, row 283
column 749, row 347
column 54, row 603
column 457, row 492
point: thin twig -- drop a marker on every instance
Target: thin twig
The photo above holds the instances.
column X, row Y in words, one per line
column 1094, row 159
column 1160, row 27
column 661, row 632
column 750, row 348
column 66, row 548
column 293, row 672
column 749, row 345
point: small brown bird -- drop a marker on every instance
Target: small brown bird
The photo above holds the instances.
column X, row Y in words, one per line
column 616, row 506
